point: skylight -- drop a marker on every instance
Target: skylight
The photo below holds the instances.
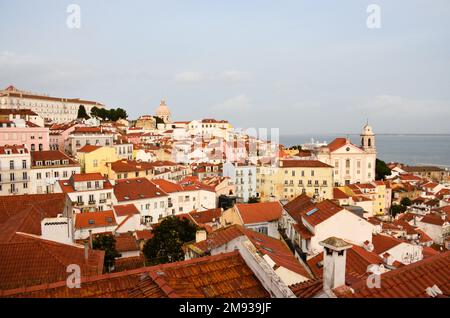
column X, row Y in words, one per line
column 311, row 212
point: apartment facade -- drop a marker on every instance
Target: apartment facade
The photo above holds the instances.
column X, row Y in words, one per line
column 14, row 170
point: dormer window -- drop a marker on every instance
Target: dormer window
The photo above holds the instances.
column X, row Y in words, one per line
column 91, row 221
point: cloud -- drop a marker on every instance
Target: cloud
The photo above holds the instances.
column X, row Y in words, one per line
column 239, row 103
column 390, row 105
column 188, row 77
column 235, row 76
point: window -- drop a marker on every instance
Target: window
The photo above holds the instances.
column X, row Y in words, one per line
column 89, row 184
column 39, row 176
column 24, row 176
column 312, row 173
column 64, row 174
column 24, row 164
column 95, row 163
column 11, row 164
column 97, row 184
column 56, row 174
column 79, row 199
column 347, row 163
column 11, row 177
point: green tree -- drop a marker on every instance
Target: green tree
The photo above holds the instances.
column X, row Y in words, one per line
column 82, row 113
column 168, row 238
column 121, row 113
column 107, row 243
column 396, row 209
column 381, row 170
column 405, row 201
column 296, row 147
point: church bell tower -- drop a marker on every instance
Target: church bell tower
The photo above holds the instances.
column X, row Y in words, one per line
column 368, row 139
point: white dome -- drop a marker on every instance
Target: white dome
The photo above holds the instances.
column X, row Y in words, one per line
column 163, row 111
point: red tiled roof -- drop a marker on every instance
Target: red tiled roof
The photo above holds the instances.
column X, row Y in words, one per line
column 94, row 219
column 299, row 205
column 88, row 148
column 14, row 149
column 126, row 243
column 337, row 143
column 126, row 209
column 259, row 212
column 277, row 250
column 303, row 164
column 50, row 155
column 410, row 281
column 143, row 235
column 136, row 189
column 207, row 216
column 433, row 219
column 167, row 186
column 87, row 177
column 34, row 261
column 307, row 289
column 383, row 243
column 325, row 210
column 24, row 213
column 130, row 166
column 221, row 276
column 339, row 194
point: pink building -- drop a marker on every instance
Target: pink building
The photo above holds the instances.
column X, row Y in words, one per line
column 59, row 133
column 20, row 131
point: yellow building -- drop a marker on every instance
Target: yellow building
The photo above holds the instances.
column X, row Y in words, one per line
column 376, row 191
column 94, row 158
column 294, row 177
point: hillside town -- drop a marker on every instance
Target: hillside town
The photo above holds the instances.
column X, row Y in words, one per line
column 158, row 207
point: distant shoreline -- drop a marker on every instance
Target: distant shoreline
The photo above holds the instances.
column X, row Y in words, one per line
column 357, row 134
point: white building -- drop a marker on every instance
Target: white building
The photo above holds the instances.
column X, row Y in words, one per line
column 56, row 109
column 14, row 170
column 307, row 223
column 186, row 198
column 150, row 200
column 244, row 178
column 88, row 191
column 48, row 167
column 352, row 164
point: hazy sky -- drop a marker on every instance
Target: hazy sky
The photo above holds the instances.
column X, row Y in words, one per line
column 302, row 66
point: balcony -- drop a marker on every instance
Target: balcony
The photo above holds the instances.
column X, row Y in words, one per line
column 92, row 202
column 78, row 203
column 101, row 201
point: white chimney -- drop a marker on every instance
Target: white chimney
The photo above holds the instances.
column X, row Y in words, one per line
column 200, row 235
column 334, row 262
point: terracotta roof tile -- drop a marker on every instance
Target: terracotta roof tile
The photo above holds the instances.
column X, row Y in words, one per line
column 410, row 281
column 259, row 212
column 94, row 219
column 220, row 276
column 136, row 189
column 34, row 261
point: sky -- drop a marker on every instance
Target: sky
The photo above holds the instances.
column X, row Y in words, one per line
column 305, row 67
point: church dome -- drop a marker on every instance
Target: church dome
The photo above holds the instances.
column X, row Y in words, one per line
column 163, row 111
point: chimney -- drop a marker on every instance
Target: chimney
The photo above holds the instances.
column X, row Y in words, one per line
column 90, row 239
column 200, row 235
column 86, row 252
column 334, row 262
